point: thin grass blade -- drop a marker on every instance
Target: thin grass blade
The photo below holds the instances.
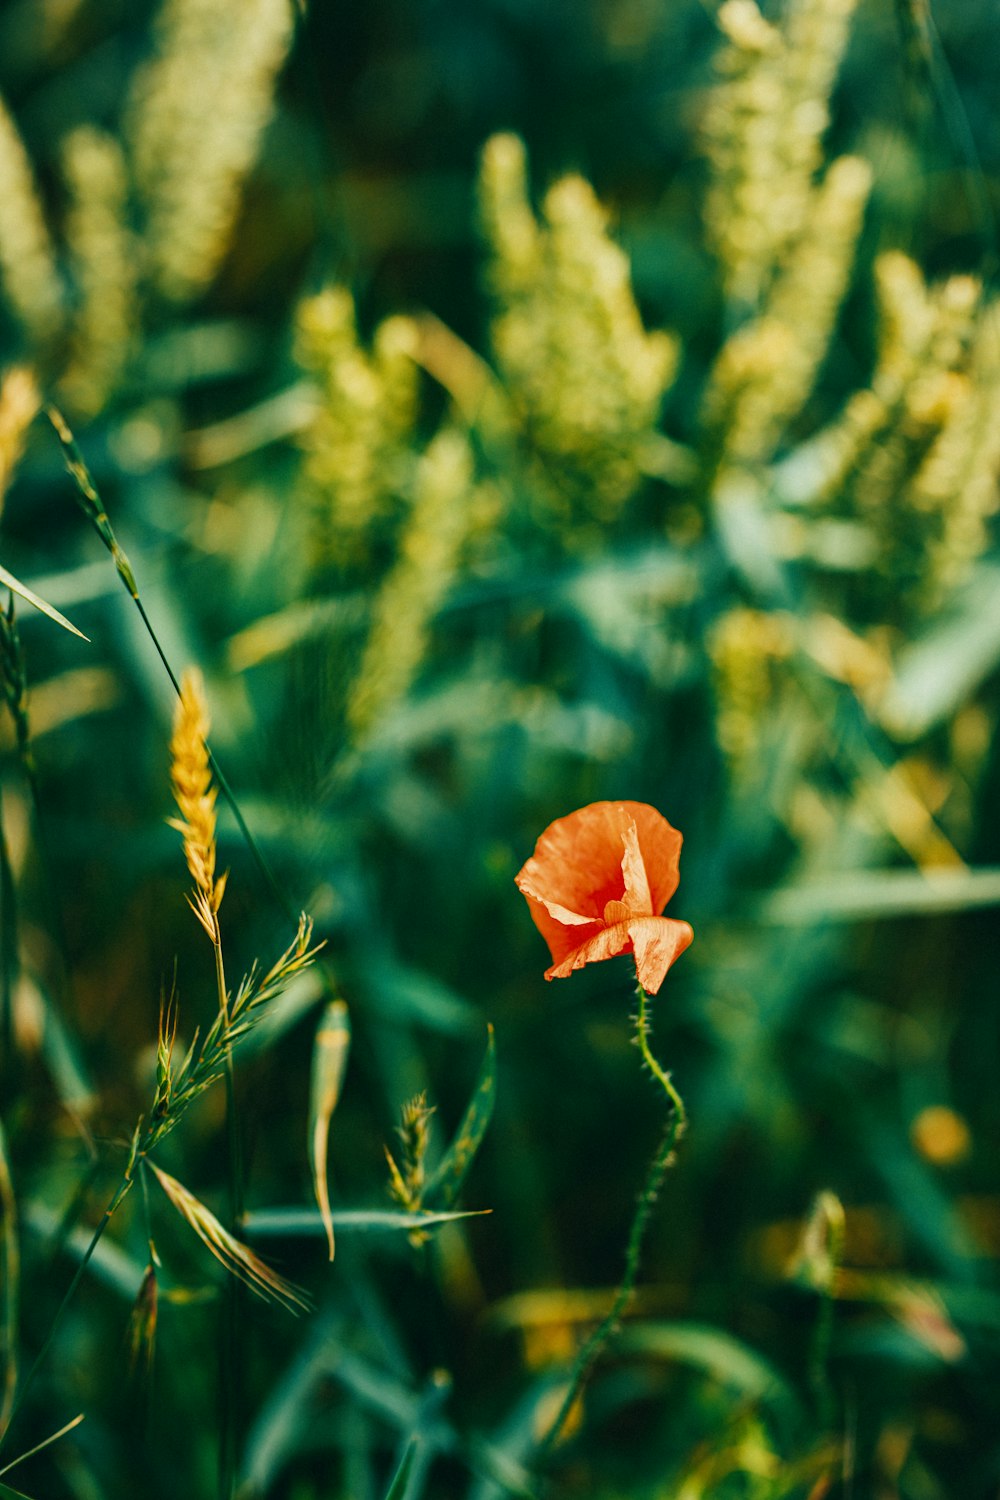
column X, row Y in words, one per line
column 45, row 1443
column 401, row 1480
column 23, row 592
column 445, row 1183
column 267, row 1223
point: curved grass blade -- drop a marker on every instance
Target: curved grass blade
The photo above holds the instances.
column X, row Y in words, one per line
column 236, row 1257
column 23, row 592
column 333, row 1042
column 5, row 1489
column 445, row 1183
column 716, row 1354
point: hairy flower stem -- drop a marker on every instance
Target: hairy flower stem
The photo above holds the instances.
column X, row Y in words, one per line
column 662, row 1160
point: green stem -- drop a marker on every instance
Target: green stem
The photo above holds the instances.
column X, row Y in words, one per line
column 120, row 1193
column 93, row 507
column 10, row 1261
column 829, row 1207
column 230, row 1349
column 662, row 1160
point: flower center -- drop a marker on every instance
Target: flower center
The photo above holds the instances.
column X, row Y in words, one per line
column 616, row 911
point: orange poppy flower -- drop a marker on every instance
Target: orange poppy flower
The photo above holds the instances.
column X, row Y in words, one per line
column 596, row 884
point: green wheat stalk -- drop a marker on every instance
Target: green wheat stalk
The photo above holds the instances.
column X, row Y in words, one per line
column 92, row 506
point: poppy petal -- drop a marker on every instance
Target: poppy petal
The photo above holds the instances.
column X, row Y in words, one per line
column 561, row 939
column 577, row 860
column 606, row 943
column 661, row 844
column 559, row 912
column 657, row 941
column 637, row 896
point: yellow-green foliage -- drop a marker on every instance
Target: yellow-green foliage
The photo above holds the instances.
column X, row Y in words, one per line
column 418, row 582
column 103, row 264
column 358, row 443
column 195, row 117
column 765, row 371
column 585, row 378
column 746, row 649
column 915, row 455
column 958, row 478
column 763, row 133
column 31, row 281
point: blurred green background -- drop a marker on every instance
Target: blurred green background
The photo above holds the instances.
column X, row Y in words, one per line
column 461, row 543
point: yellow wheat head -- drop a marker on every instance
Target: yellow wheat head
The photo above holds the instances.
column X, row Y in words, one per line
column 195, row 793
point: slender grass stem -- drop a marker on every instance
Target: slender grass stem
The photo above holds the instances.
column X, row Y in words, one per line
column 10, row 1292
column 828, row 1211
column 8, row 946
column 93, row 508
column 230, row 1350
column 120, row 1193
column 662, row 1160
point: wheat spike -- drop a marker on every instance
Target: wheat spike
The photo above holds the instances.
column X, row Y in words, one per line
column 195, row 794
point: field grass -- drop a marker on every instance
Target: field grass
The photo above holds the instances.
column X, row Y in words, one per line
column 418, row 426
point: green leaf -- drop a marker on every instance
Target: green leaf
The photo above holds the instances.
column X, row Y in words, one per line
column 863, row 895
column 401, row 1480
column 402, row 993
column 941, row 669
column 108, row 1262
column 715, row 1353
column 445, row 1183
column 278, row 1221
column 24, row 592
column 277, row 1427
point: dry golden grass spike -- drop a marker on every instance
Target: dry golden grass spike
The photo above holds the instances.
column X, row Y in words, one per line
column 237, row 1258
column 195, row 794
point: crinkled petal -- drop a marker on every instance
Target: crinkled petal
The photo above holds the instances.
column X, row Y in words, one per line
column 555, row 910
column 661, row 851
column 606, row 943
column 562, row 938
column 637, row 897
column 657, row 942
column 578, row 860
